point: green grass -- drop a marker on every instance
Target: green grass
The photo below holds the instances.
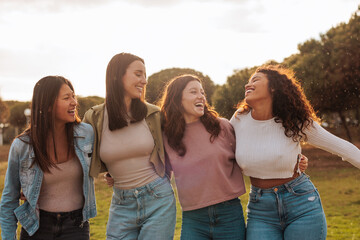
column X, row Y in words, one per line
column 337, row 182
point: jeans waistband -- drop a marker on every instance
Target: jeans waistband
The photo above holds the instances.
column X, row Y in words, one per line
column 141, row 190
column 303, row 177
column 72, row 214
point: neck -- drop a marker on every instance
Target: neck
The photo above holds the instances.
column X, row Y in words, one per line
column 59, row 129
column 262, row 111
column 127, row 103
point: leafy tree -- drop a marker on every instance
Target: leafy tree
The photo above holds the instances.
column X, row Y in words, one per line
column 157, row 83
column 4, row 111
column 330, row 69
column 17, row 117
column 85, row 103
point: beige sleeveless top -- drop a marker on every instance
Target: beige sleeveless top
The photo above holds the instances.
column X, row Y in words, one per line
column 61, row 190
column 126, row 153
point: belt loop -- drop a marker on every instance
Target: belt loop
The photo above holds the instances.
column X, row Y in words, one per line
column 149, row 189
column 288, row 188
column 259, row 192
column 121, row 193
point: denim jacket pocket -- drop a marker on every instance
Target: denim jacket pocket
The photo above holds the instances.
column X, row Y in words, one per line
column 86, row 150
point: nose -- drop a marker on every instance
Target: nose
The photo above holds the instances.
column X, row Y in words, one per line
column 144, row 80
column 247, row 85
column 74, row 102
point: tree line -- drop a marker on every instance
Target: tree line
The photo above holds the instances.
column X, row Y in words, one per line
column 328, row 69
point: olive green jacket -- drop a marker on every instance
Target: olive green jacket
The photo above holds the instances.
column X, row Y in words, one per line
column 95, row 117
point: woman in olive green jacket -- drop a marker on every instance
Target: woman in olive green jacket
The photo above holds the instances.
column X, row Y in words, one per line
column 128, row 144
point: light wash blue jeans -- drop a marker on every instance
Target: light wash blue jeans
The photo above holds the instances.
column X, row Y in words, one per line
column 147, row 212
column 290, row 211
column 224, row 220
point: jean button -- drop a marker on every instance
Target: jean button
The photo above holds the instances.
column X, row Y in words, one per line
column 136, row 191
column 276, row 189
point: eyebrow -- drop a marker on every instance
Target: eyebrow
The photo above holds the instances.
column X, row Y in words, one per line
column 67, row 94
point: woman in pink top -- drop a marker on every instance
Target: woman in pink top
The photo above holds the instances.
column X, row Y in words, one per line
column 200, row 148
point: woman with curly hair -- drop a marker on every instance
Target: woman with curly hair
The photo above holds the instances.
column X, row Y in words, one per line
column 273, row 119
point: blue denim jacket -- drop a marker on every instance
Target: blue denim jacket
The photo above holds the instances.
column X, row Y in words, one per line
column 19, row 176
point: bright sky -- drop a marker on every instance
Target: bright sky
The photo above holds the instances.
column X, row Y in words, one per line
column 77, row 38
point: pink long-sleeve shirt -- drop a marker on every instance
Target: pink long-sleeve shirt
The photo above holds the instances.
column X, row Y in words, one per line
column 208, row 173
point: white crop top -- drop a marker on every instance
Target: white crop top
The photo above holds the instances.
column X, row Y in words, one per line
column 263, row 150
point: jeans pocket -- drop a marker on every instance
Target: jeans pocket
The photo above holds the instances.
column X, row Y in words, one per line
column 254, row 196
column 304, row 188
column 162, row 190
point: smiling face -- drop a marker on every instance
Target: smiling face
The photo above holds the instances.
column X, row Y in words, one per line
column 257, row 90
column 134, row 81
column 193, row 101
column 65, row 105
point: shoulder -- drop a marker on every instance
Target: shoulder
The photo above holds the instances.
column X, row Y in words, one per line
column 151, row 108
column 84, row 130
column 20, row 146
column 85, row 127
column 93, row 113
column 224, row 122
column 238, row 115
column 225, row 125
column 20, row 142
column 95, row 109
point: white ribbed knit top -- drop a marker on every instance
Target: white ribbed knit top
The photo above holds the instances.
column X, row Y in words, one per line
column 263, row 150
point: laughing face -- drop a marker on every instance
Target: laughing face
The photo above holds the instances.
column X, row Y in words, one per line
column 134, row 80
column 65, row 105
column 193, row 101
column 257, row 89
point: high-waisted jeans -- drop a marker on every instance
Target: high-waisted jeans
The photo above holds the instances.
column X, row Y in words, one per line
column 224, row 220
column 147, row 212
column 60, row 226
column 290, row 211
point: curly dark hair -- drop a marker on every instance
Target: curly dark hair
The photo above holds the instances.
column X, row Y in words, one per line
column 172, row 120
column 289, row 103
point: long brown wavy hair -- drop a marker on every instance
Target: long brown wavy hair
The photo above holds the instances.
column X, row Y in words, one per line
column 114, row 100
column 172, row 120
column 289, row 103
column 42, row 120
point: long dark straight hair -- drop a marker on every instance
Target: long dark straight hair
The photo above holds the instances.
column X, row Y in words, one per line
column 42, row 121
column 172, row 120
column 114, row 100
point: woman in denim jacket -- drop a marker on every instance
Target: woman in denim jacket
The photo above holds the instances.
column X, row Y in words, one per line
column 49, row 163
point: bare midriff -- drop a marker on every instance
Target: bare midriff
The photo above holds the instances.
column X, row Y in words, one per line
column 269, row 183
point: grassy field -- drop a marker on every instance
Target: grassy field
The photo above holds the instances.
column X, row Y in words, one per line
column 337, row 181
